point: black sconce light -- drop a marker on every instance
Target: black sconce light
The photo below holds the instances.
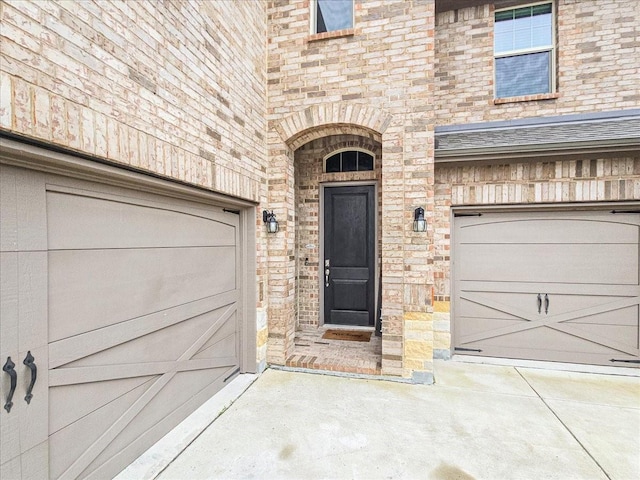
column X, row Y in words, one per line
column 269, row 219
column 419, row 223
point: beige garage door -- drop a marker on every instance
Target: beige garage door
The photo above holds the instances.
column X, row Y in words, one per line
column 129, row 303
column 557, row 286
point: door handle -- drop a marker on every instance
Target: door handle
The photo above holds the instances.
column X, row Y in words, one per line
column 546, row 303
column 8, row 367
column 539, row 303
column 326, row 277
column 29, row 361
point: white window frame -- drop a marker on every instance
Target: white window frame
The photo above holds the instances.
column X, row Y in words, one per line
column 348, row 149
column 314, row 8
column 512, row 53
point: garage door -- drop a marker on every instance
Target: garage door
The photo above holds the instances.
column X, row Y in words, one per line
column 556, row 286
column 129, row 304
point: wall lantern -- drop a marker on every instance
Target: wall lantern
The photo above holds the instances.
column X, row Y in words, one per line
column 269, row 219
column 419, row 223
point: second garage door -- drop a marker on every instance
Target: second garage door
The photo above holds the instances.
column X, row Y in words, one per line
column 556, row 286
column 129, row 303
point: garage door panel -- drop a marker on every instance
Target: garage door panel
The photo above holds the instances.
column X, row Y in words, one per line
column 474, row 325
column 80, row 222
column 67, row 445
column 602, row 264
column 166, row 344
column 548, row 338
column 73, row 348
column 621, row 317
column 224, row 343
column 89, row 397
column 549, row 230
column 113, row 465
column 182, row 387
column 507, row 305
column 584, row 266
column 133, row 283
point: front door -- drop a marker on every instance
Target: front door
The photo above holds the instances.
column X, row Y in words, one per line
column 349, row 255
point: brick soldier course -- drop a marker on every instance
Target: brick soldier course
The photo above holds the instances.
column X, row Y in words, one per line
column 240, row 98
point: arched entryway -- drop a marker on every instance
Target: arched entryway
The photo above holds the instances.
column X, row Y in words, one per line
column 401, row 275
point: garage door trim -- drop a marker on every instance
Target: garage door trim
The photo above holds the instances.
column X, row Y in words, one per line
column 37, row 158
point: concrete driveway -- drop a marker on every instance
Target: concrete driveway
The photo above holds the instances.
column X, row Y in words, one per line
column 477, row 421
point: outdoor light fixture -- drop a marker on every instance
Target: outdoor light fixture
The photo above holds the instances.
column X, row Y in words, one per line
column 269, row 219
column 419, row 223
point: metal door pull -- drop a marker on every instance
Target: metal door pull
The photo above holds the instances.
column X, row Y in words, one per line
column 546, row 303
column 8, row 367
column 539, row 303
column 29, row 362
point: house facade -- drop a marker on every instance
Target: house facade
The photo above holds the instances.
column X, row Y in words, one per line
column 460, row 176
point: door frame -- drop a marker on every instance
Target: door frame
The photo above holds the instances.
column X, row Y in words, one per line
column 377, row 266
column 50, row 159
column 539, row 207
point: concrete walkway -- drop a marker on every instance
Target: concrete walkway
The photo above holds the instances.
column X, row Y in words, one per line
column 477, row 421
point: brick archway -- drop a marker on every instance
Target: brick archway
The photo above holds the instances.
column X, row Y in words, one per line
column 322, row 120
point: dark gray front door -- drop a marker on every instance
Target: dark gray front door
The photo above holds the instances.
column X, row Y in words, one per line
column 349, row 253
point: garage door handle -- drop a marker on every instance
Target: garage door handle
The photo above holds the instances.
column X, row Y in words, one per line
column 546, row 303
column 539, row 303
column 29, row 361
column 8, row 367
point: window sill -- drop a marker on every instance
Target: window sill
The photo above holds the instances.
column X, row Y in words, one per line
column 526, row 98
column 348, row 32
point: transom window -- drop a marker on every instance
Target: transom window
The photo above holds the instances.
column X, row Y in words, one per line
column 348, row 161
column 331, row 15
column 524, row 51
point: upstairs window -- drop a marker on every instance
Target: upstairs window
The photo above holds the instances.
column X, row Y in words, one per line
column 524, row 51
column 331, row 15
column 348, row 161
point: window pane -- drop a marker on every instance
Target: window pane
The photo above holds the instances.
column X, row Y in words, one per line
column 541, row 36
column 333, row 15
column 503, row 42
column 349, row 161
column 365, row 161
column 523, row 75
column 333, row 163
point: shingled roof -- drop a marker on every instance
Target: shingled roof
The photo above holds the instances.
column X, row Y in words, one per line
column 596, row 133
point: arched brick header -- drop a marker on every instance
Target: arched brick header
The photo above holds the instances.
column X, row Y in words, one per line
column 313, row 122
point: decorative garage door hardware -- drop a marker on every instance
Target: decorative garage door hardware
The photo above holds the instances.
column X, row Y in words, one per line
column 546, row 303
column 29, row 361
column 624, row 361
column 9, row 368
column 625, row 211
column 467, row 214
column 461, row 349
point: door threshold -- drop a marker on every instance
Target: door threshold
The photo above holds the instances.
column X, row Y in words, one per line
column 567, row 367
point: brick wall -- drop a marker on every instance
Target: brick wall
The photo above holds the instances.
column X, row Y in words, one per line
column 174, row 88
column 598, row 62
column 383, row 69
